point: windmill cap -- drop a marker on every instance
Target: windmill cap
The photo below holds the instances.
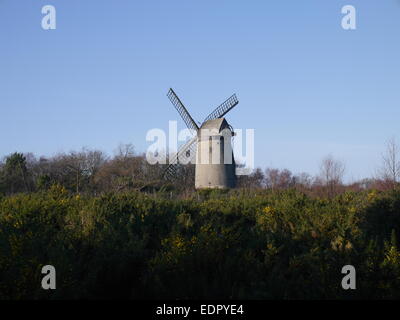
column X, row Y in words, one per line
column 215, row 125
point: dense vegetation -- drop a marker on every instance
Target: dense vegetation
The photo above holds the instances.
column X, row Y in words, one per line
column 251, row 244
column 113, row 228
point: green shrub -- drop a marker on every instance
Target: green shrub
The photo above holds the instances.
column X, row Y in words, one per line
column 218, row 244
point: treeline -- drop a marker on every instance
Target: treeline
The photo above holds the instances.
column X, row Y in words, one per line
column 85, row 171
column 93, row 172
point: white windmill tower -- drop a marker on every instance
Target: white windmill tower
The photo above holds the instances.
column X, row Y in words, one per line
column 211, row 147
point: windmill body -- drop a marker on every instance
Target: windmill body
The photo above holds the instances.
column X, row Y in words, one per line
column 215, row 165
column 210, row 149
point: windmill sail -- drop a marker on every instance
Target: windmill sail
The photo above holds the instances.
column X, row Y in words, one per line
column 223, row 109
column 187, row 152
column 182, row 110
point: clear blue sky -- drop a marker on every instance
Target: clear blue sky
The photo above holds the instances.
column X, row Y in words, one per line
column 305, row 85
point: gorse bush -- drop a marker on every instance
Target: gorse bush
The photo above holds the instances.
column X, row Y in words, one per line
column 216, row 244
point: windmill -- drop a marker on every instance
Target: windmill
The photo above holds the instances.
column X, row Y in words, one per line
column 211, row 147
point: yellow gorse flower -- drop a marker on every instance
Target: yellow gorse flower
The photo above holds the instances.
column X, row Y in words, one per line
column 352, row 210
column 268, row 210
column 372, row 196
column 179, row 242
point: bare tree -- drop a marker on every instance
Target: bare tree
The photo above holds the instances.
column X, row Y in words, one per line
column 253, row 180
column 278, row 179
column 390, row 170
column 303, row 180
column 75, row 170
column 331, row 174
column 286, row 179
column 271, row 178
column 125, row 151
